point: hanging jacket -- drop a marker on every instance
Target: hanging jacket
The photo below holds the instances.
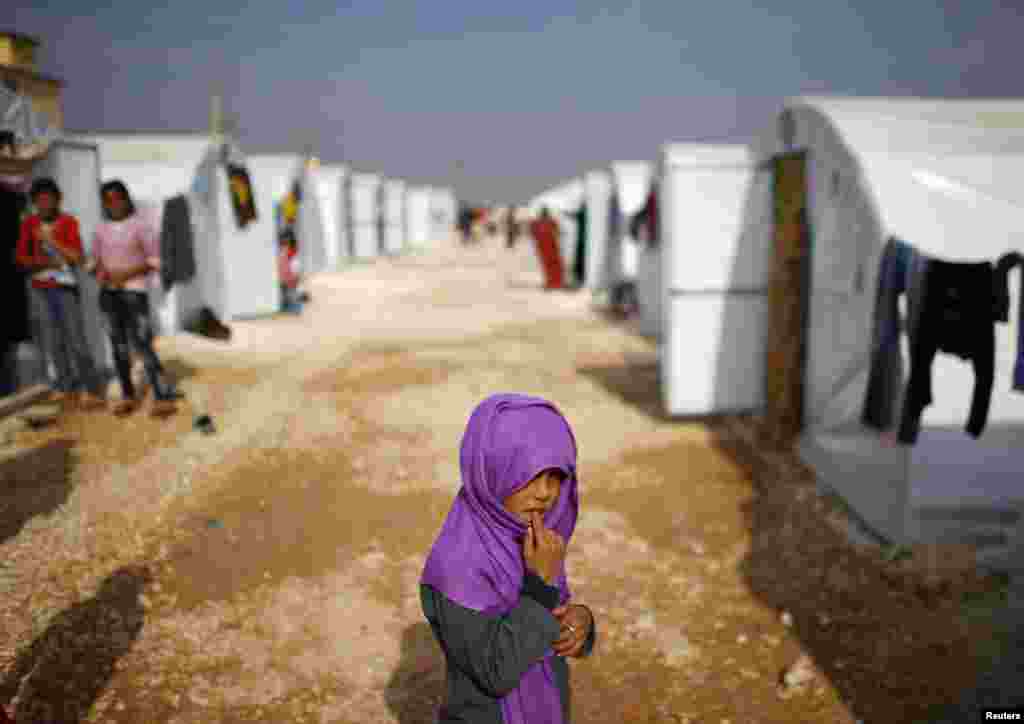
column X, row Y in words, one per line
column 901, row 271
column 957, row 317
column 177, row 244
column 1007, row 262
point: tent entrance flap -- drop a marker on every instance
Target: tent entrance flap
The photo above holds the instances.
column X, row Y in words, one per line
column 788, row 297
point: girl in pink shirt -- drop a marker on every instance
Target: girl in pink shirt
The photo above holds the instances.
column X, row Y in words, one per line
column 126, row 250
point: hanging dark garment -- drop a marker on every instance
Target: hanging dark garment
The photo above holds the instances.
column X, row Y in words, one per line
column 242, row 199
column 13, row 282
column 957, row 317
column 901, row 272
column 1006, row 263
column 579, row 266
column 15, row 327
column 177, row 245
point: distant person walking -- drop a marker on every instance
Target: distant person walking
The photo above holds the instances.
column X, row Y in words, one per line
column 127, row 250
column 545, row 235
column 511, row 227
column 50, row 248
column 466, row 223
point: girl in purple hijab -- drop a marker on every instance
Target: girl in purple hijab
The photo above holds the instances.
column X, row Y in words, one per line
column 494, row 586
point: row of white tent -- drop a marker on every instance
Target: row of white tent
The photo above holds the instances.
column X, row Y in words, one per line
column 943, row 175
column 343, row 217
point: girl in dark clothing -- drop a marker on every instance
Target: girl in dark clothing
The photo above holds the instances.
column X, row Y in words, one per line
column 494, row 586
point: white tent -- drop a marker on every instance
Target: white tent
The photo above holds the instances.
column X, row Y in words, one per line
column 417, row 217
column 630, row 181
column 392, row 216
column 597, row 189
column 333, row 207
column 649, row 277
column 274, row 175
column 711, row 272
column 443, row 210
column 156, row 167
column 561, row 201
column 946, row 177
column 364, row 231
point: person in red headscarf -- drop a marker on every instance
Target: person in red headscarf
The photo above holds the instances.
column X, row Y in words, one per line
column 545, row 234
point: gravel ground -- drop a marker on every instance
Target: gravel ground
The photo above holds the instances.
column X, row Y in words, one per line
column 269, row 572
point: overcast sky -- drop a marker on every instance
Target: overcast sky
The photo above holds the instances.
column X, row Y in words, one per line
column 527, row 93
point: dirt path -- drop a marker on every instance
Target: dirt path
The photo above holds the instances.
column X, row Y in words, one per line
column 269, row 572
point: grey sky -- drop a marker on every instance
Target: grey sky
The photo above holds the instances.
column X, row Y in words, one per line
column 527, row 93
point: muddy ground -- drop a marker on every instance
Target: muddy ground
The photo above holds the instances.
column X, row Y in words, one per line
column 268, row 572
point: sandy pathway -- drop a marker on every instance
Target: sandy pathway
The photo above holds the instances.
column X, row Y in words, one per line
column 268, row 572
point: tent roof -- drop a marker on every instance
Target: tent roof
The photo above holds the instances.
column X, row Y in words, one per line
column 631, row 181
column 939, row 126
column 366, row 178
column 697, row 154
column 169, row 149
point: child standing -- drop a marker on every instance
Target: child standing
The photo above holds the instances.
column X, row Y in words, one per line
column 494, row 586
column 127, row 251
column 50, row 247
column 288, row 268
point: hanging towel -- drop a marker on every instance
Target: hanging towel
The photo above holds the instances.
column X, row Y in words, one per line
column 242, row 200
column 901, row 271
column 957, row 318
column 177, row 245
column 1007, row 262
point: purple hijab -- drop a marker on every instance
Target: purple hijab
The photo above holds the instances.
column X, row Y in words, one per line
column 477, row 559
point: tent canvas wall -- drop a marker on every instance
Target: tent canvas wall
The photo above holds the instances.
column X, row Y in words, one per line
column 309, row 227
column 649, row 278
column 392, row 215
column 630, row 181
column 156, row 167
column 362, row 215
column 945, row 176
column 597, row 188
column 417, row 217
column 333, row 207
column 444, row 208
column 274, row 175
column 713, row 272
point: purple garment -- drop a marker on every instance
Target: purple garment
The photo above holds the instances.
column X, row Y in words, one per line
column 477, row 559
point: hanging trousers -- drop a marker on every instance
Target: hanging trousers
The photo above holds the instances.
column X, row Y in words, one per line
column 130, row 325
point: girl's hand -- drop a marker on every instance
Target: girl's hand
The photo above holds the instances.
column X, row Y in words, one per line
column 576, row 623
column 543, row 550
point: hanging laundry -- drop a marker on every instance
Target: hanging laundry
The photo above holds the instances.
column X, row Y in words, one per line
column 901, row 271
column 242, row 199
column 956, row 317
column 177, row 245
column 1006, row 263
column 650, row 215
column 579, row 267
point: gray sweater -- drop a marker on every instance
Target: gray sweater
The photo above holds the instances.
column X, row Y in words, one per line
column 487, row 655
